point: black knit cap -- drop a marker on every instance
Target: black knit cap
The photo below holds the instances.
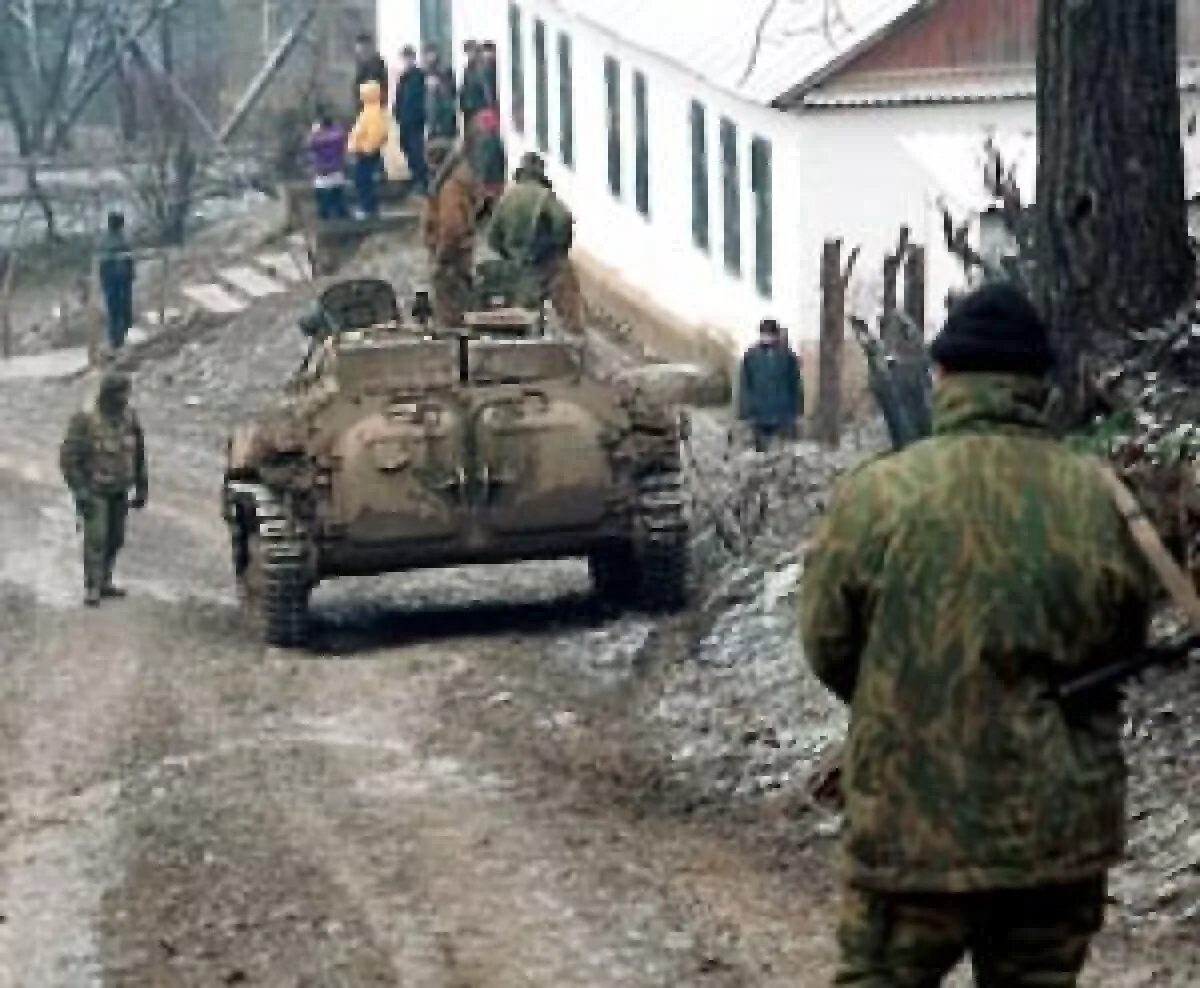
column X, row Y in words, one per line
column 994, row 330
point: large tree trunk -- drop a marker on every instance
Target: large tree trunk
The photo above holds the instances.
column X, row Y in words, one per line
column 1112, row 243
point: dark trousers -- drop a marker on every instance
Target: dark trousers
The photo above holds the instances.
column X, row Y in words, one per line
column 366, row 174
column 412, row 142
column 767, row 435
column 331, row 203
column 103, row 536
column 1016, row 938
column 118, row 305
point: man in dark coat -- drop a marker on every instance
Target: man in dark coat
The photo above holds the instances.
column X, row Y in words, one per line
column 117, row 272
column 369, row 67
column 487, row 62
column 474, row 95
column 410, row 112
column 440, row 111
column 770, row 387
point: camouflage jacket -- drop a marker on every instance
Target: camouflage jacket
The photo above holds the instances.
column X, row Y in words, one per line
column 530, row 225
column 103, row 457
column 947, row 588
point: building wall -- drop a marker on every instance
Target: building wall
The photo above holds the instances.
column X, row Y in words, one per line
column 653, row 255
column 839, row 173
column 862, row 185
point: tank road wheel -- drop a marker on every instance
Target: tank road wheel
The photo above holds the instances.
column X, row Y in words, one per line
column 661, row 550
column 273, row 584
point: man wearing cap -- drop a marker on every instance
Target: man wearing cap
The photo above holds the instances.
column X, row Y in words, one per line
column 946, row 591
column 770, row 394
column 369, row 66
column 532, row 229
column 410, row 110
column 103, row 460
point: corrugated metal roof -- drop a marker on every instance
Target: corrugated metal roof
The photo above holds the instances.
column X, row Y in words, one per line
column 926, row 87
column 760, row 50
column 956, row 86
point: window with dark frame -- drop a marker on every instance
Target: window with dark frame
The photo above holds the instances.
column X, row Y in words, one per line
column 541, row 87
column 641, row 149
column 701, row 234
column 612, row 86
column 760, row 185
column 566, row 101
column 731, row 196
column 516, row 57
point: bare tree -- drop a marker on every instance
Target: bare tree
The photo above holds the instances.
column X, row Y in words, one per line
column 824, row 17
column 54, row 59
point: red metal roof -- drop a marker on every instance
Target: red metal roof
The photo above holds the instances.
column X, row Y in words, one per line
column 955, row 34
column 979, row 35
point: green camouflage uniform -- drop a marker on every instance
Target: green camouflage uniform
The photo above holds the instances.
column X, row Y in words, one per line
column 532, row 229
column 103, row 459
column 946, row 590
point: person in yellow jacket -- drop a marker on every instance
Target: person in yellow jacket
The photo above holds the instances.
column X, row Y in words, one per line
column 366, row 144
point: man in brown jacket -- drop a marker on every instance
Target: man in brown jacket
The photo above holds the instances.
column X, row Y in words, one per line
column 449, row 228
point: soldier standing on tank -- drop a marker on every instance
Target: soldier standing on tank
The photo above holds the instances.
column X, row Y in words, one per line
column 946, row 591
column 533, row 229
column 103, row 461
column 449, row 227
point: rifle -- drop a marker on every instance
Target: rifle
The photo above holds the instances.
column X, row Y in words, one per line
column 1173, row 651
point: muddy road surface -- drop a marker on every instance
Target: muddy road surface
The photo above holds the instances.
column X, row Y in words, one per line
column 462, row 783
column 448, row 788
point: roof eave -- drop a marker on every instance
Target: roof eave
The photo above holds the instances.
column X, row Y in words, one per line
column 793, row 98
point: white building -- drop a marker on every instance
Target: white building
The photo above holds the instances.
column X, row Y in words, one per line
column 708, row 148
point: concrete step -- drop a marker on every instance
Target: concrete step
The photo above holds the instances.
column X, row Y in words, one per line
column 45, row 366
column 287, row 266
column 250, row 281
column 151, row 316
column 213, row 298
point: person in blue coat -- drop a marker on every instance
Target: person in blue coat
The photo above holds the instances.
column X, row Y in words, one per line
column 770, row 398
column 117, row 272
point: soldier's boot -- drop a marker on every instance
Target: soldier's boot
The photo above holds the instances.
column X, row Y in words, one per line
column 107, row 587
column 91, row 596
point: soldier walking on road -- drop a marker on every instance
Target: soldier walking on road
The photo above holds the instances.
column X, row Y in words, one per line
column 770, row 396
column 117, row 272
column 948, row 589
column 103, row 461
column 532, row 229
column 449, row 227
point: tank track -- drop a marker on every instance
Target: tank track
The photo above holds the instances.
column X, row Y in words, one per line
column 662, row 545
column 279, row 607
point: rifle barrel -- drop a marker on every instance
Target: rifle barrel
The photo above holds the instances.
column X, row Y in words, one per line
column 1112, row 676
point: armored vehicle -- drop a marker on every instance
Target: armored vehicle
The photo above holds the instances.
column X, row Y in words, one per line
column 399, row 445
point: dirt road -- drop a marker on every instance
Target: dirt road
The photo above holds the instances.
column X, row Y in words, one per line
column 457, row 786
column 423, row 799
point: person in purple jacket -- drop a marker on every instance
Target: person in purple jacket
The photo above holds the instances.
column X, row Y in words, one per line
column 327, row 157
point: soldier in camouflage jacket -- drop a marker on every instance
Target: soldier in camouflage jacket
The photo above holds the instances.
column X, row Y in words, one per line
column 103, row 461
column 947, row 589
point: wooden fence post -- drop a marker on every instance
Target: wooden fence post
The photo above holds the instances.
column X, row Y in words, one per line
column 914, row 286
column 828, row 419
